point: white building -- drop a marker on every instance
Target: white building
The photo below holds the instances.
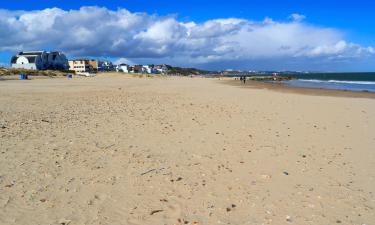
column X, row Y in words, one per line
column 146, row 69
column 149, row 69
column 40, row 60
column 123, row 68
column 162, row 69
column 81, row 65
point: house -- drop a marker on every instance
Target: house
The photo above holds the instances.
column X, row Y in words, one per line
column 147, row 69
column 129, row 69
column 150, row 69
column 81, row 65
column 94, row 64
column 105, row 66
column 123, row 68
column 100, row 66
column 136, row 69
column 40, row 60
column 162, row 69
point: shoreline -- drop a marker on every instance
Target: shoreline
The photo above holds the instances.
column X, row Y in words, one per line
column 279, row 87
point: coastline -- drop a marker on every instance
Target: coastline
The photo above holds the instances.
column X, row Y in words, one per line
column 279, row 87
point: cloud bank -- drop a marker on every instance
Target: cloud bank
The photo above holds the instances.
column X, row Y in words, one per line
column 100, row 32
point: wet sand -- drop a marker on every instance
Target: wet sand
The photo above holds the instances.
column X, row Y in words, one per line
column 123, row 150
column 299, row 90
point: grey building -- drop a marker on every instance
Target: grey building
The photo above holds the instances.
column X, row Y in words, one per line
column 40, row 60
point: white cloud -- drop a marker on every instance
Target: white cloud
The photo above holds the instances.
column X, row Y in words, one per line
column 94, row 31
column 123, row 60
column 297, row 17
column 371, row 50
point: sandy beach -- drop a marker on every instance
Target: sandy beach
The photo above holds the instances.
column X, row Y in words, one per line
column 279, row 87
column 124, row 150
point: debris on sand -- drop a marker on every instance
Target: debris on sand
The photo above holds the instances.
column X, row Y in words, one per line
column 156, row 211
column 64, row 222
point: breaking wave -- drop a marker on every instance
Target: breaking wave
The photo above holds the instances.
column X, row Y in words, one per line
column 339, row 81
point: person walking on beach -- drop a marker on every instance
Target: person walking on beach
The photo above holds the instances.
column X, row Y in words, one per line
column 244, row 79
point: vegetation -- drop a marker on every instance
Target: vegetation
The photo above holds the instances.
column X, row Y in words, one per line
column 49, row 73
column 185, row 71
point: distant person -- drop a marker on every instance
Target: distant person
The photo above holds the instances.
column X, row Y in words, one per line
column 244, row 80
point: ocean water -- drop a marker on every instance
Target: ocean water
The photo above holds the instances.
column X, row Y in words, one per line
column 368, row 86
column 335, row 81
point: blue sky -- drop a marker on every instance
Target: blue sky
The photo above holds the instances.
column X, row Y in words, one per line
column 354, row 21
column 356, row 17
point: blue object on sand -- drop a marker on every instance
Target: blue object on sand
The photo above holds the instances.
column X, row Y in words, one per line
column 69, row 76
column 23, row 77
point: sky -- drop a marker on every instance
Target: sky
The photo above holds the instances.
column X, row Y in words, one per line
column 237, row 34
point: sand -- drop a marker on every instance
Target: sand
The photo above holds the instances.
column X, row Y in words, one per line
column 122, row 150
column 300, row 90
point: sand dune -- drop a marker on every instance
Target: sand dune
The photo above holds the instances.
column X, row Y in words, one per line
column 122, row 150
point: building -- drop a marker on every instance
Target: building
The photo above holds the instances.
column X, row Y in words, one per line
column 94, row 64
column 150, row 69
column 105, row 66
column 123, row 68
column 146, row 69
column 162, row 69
column 81, row 65
column 40, row 60
column 136, row 69
column 100, row 66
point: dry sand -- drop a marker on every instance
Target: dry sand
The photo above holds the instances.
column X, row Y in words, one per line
column 119, row 150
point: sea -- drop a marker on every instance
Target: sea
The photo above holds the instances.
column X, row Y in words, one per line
column 359, row 82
